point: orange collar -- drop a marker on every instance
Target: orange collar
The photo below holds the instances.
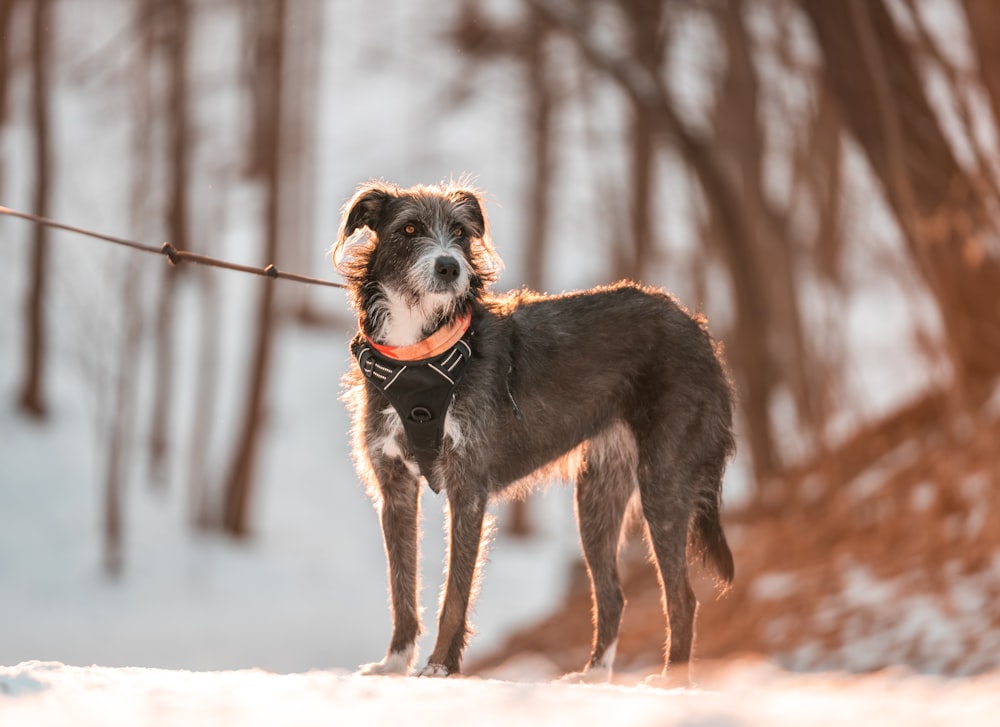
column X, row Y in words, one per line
column 437, row 343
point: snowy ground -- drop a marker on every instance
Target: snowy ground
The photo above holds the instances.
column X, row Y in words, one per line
column 47, row 693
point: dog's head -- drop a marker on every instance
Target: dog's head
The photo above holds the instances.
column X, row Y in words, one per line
column 419, row 254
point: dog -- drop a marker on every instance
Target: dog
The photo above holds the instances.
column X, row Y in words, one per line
column 480, row 395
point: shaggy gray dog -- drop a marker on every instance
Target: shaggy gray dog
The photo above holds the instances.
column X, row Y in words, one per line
column 480, row 395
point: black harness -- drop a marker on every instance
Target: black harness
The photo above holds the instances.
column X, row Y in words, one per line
column 420, row 392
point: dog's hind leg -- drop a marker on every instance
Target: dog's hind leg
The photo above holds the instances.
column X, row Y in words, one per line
column 400, row 501
column 466, row 512
column 668, row 513
column 604, row 485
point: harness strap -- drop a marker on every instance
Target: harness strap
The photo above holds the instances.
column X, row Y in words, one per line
column 419, row 390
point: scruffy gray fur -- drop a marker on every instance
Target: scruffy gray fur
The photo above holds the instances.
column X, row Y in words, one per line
column 617, row 386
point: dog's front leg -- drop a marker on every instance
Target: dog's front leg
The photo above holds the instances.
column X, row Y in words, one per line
column 399, row 514
column 466, row 510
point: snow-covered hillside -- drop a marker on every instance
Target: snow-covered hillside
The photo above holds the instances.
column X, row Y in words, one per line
column 308, row 590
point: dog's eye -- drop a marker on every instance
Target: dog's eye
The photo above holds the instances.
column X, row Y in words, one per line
column 459, row 231
column 410, row 228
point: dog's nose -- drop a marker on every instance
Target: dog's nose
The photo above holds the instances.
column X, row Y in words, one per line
column 446, row 268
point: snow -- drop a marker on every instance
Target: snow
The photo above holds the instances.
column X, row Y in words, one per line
column 899, row 621
column 774, row 586
column 752, row 693
column 868, row 483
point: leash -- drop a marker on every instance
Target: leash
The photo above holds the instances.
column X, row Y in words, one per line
column 174, row 256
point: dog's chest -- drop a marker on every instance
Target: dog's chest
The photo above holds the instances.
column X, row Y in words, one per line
column 420, row 393
column 390, row 441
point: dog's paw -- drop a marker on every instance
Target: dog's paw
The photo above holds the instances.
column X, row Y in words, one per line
column 587, row 676
column 434, row 670
column 382, row 668
column 396, row 664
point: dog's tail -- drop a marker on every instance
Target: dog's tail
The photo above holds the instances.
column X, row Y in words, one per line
column 711, row 540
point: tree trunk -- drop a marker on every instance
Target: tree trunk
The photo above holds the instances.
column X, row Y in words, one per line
column 32, row 398
column 269, row 55
column 122, row 421
column 123, row 413
column 300, row 95
column 942, row 216
column 539, row 198
column 6, row 12
column 984, row 30
column 178, row 151
column 774, row 347
column 200, row 505
column 203, row 423
column 646, row 26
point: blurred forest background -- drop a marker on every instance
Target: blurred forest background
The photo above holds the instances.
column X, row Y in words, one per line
column 821, row 178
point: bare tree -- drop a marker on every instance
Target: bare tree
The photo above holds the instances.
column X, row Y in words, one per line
column 305, row 24
column 176, row 14
column 540, row 112
column 540, row 104
column 939, row 207
column 32, row 398
column 772, row 350
column 6, row 13
column 647, row 90
column 269, row 24
column 123, row 411
column 203, row 420
column 645, row 21
column 984, row 30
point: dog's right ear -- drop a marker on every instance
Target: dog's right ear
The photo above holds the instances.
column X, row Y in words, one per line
column 363, row 209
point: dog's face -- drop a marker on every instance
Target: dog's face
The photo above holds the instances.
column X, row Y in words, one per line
column 420, row 253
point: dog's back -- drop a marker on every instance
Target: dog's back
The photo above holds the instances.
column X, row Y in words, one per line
column 555, row 371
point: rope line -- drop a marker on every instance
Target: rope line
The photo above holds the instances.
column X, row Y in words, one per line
column 173, row 255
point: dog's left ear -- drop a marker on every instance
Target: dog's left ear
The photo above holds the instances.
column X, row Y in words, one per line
column 472, row 205
column 487, row 262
